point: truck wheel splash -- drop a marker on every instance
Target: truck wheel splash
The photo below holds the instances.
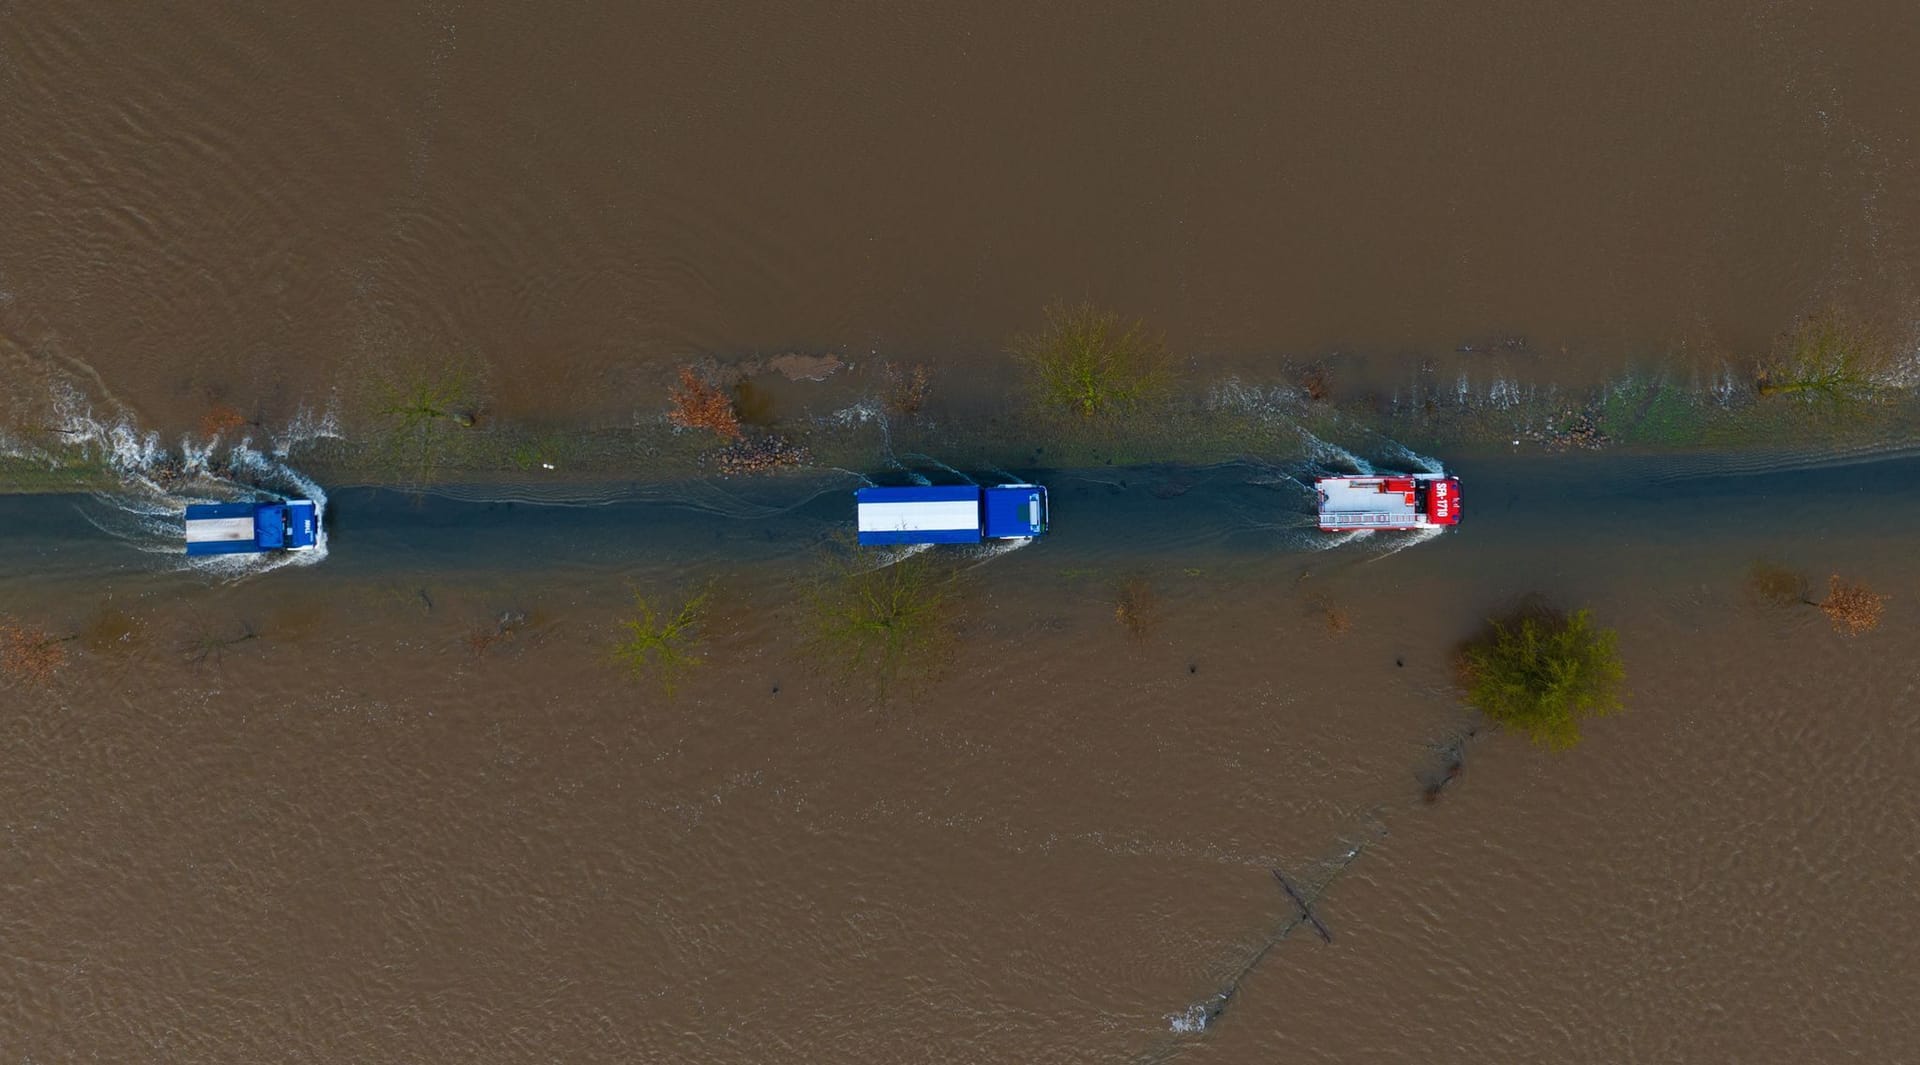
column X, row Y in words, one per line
column 147, row 507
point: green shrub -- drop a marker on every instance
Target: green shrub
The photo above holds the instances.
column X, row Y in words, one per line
column 1828, row 357
column 1541, row 672
column 881, row 626
column 419, row 406
column 1087, row 363
column 662, row 649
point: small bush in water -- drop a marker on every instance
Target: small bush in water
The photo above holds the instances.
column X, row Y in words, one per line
column 1086, row 362
column 1136, row 608
column 699, row 403
column 882, row 626
column 1540, row 673
column 1827, row 357
column 1853, row 608
column 30, row 654
column 663, row 650
column 416, row 404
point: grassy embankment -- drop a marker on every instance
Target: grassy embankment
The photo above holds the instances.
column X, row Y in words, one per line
column 1093, row 389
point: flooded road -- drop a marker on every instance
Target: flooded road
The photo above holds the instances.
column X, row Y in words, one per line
column 299, row 817
column 259, row 207
column 320, row 815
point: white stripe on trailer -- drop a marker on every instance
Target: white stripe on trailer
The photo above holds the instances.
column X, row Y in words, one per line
column 930, row 516
column 219, row 530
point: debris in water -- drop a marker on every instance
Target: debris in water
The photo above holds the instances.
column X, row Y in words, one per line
column 758, row 455
column 1306, row 911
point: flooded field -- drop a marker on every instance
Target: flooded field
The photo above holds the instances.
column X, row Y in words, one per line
column 401, row 804
column 310, row 814
column 259, row 208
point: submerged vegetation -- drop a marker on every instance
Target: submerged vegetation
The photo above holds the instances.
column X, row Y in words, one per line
column 207, row 644
column 1541, row 672
column 417, row 410
column 883, row 625
column 1136, row 607
column 699, row 402
column 660, row 649
column 905, row 388
column 1091, row 364
column 30, row 654
column 1829, row 357
column 1101, row 390
column 503, row 628
column 1331, row 614
column 1778, row 585
column 1852, row 608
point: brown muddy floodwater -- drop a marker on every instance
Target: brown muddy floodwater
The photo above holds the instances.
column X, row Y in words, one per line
column 351, row 839
column 254, row 204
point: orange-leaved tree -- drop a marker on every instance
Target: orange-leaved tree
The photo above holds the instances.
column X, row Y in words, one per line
column 29, row 653
column 698, row 403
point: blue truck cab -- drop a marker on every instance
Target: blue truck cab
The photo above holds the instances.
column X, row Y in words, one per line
column 251, row 528
column 950, row 514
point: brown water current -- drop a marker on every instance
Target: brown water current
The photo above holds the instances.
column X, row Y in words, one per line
column 351, row 837
column 299, row 818
column 259, row 205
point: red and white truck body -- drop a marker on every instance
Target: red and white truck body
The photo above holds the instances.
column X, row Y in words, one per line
column 1388, row 501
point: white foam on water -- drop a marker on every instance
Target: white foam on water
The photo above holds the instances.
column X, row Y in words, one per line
column 892, row 556
column 149, row 514
column 1332, row 456
column 307, row 427
column 861, row 413
column 1330, row 540
column 987, row 552
column 936, row 462
column 1269, row 403
column 1396, row 541
column 1195, row 1018
column 1727, row 387
column 1422, row 463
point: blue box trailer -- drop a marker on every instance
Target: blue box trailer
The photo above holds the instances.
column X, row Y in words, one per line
column 946, row 514
column 251, row 528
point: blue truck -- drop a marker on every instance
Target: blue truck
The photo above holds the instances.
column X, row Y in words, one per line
column 251, row 528
column 943, row 514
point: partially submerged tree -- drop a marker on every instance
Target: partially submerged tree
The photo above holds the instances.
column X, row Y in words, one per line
column 1828, row 357
column 1853, row 608
column 209, row 644
column 30, row 654
column 1088, row 363
column 662, row 649
column 1330, row 613
column 419, row 406
column 701, row 403
column 1136, row 607
column 1542, row 672
column 1773, row 583
column 501, row 629
column 883, row 624
column 906, row 387
column 222, row 418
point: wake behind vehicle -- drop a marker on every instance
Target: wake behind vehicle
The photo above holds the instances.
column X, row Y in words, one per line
column 1389, row 501
column 950, row 514
column 251, row 528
